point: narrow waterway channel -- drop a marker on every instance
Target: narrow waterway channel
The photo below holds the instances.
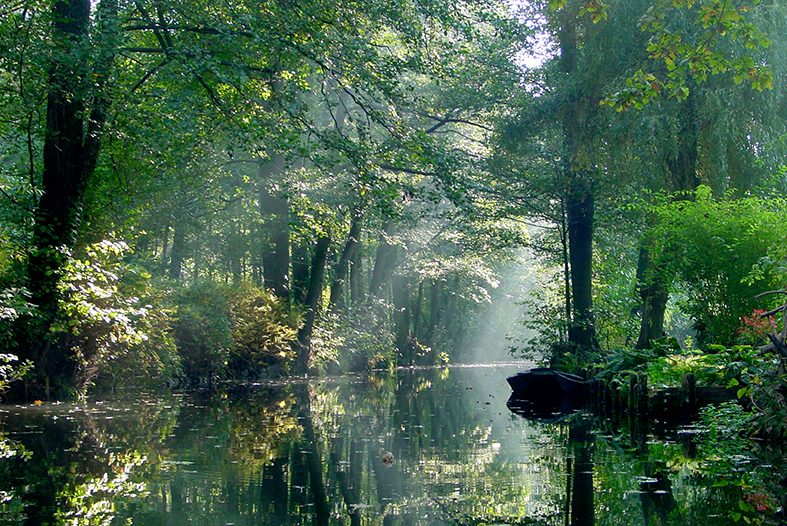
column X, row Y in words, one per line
column 413, row 447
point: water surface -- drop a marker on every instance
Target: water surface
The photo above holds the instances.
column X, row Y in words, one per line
column 414, row 447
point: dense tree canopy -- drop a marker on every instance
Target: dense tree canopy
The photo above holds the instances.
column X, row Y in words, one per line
column 279, row 187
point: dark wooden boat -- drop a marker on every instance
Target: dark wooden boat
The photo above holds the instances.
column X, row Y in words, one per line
column 543, row 382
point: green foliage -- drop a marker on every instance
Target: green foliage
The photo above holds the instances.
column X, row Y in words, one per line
column 237, row 332
column 711, row 247
column 13, row 305
column 360, row 341
column 546, row 322
column 767, row 391
column 691, row 40
column 203, row 331
column 263, row 332
column 109, row 320
column 665, row 364
column 11, row 371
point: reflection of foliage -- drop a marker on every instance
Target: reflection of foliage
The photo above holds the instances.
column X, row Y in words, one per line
column 459, row 514
column 720, row 478
column 11, row 504
column 95, row 501
column 262, row 422
column 87, row 463
column 205, row 456
column 728, row 461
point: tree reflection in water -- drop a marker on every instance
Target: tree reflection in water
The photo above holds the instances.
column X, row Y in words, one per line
column 316, row 453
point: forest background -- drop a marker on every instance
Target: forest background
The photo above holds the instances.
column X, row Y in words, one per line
column 199, row 191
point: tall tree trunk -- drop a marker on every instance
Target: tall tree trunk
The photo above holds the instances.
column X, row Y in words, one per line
column 76, row 112
column 435, row 310
column 300, row 273
column 356, row 276
column 177, row 252
column 345, row 262
column 681, row 169
column 384, row 261
column 275, row 211
column 566, row 267
column 401, row 319
column 579, row 189
column 681, row 159
column 580, row 210
column 653, row 292
column 312, row 305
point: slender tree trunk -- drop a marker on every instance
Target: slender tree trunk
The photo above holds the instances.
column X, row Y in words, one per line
column 418, row 311
column 566, row 266
column 356, row 276
column 300, row 273
column 345, row 262
column 385, row 260
column 275, row 211
column 312, row 304
column 177, row 252
column 401, row 318
column 434, row 312
column 681, row 160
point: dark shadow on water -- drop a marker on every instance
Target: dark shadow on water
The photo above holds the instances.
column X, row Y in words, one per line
column 548, row 410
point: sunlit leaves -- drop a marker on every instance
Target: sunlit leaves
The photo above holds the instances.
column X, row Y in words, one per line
column 596, row 10
column 112, row 329
column 693, row 40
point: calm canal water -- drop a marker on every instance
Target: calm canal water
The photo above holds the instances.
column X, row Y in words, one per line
column 415, row 447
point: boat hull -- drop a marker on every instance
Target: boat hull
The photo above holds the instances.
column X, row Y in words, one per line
column 546, row 383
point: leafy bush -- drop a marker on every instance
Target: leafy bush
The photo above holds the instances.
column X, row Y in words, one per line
column 714, row 249
column 10, row 371
column 203, row 331
column 13, row 304
column 240, row 332
column 665, row 364
column 263, row 331
column 109, row 320
column 364, row 340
